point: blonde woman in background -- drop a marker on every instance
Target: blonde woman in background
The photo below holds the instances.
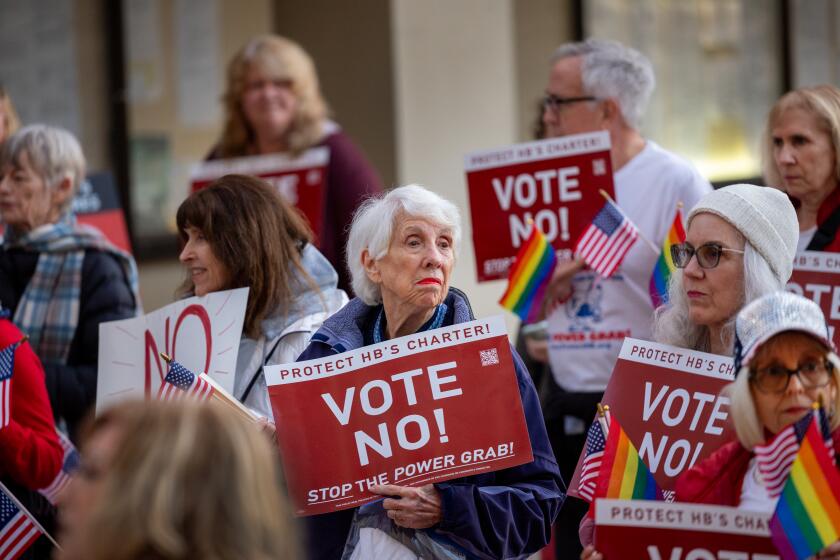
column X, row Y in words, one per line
column 175, row 481
column 801, row 156
column 9, row 122
column 273, row 105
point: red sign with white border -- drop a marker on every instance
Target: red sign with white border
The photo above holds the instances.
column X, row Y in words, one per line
column 409, row 411
column 668, row 401
column 553, row 182
column 816, row 276
column 301, row 180
column 641, row 529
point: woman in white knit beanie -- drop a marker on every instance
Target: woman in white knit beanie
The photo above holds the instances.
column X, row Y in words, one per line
column 740, row 244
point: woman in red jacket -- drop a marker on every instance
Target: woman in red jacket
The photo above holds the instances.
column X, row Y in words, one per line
column 30, row 453
column 785, row 362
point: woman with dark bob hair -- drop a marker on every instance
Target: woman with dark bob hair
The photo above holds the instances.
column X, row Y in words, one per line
column 239, row 232
column 175, row 481
column 401, row 253
column 273, row 105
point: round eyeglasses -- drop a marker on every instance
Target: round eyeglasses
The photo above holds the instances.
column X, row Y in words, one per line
column 812, row 374
column 708, row 254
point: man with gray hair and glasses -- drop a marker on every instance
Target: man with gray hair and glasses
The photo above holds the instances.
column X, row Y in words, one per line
column 602, row 85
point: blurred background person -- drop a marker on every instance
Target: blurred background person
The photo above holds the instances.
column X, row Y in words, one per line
column 740, row 245
column 30, row 454
column 401, row 252
column 9, row 122
column 175, row 481
column 273, row 104
column 60, row 280
column 801, row 155
column 240, row 232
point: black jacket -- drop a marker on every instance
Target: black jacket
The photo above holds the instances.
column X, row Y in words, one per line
column 106, row 295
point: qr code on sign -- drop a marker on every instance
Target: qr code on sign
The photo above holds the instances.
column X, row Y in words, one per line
column 489, row 357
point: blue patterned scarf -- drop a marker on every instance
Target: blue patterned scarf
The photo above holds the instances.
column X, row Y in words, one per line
column 48, row 310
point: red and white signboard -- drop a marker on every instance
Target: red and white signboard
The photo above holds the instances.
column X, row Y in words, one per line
column 816, row 276
column 640, row 529
column 553, row 182
column 301, row 180
column 667, row 400
column 419, row 409
column 202, row 333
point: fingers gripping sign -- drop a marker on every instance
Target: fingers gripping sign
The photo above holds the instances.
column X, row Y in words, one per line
column 414, row 508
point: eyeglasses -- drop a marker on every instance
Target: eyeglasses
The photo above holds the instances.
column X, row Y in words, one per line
column 555, row 102
column 708, row 254
column 775, row 379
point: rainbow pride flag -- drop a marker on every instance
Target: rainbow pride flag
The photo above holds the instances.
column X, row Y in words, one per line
column 661, row 274
column 623, row 474
column 807, row 516
column 529, row 276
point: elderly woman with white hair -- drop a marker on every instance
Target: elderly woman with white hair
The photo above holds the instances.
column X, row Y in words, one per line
column 401, row 252
column 59, row 280
column 740, row 244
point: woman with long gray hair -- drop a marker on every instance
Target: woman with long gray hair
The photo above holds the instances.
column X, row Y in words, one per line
column 740, row 244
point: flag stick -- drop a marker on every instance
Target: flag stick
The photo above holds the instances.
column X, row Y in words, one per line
column 653, row 247
column 28, row 514
column 602, row 412
column 224, row 397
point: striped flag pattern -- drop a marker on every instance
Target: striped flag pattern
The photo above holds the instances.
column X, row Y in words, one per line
column 7, row 368
column 181, row 383
column 17, row 529
column 607, row 240
column 774, row 459
column 68, row 466
column 807, row 514
column 595, row 442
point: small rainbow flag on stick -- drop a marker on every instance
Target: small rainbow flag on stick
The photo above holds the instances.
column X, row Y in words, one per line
column 529, row 276
column 664, row 267
column 807, row 516
column 623, row 474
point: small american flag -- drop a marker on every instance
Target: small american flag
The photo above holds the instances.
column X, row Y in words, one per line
column 595, row 443
column 7, row 368
column 181, row 383
column 68, row 467
column 17, row 529
column 774, row 460
column 606, row 240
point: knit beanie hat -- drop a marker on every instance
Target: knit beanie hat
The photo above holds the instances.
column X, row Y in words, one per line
column 764, row 216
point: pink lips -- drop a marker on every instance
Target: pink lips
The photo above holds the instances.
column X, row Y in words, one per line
column 434, row 281
column 694, row 294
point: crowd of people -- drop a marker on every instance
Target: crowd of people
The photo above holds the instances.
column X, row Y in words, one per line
column 186, row 480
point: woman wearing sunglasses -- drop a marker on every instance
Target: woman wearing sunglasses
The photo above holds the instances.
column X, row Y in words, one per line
column 740, row 244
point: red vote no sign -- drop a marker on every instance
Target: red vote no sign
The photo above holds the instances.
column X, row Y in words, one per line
column 425, row 408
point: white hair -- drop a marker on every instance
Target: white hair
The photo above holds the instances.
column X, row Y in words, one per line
column 373, row 225
column 53, row 153
column 612, row 70
column 673, row 325
column 744, row 415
